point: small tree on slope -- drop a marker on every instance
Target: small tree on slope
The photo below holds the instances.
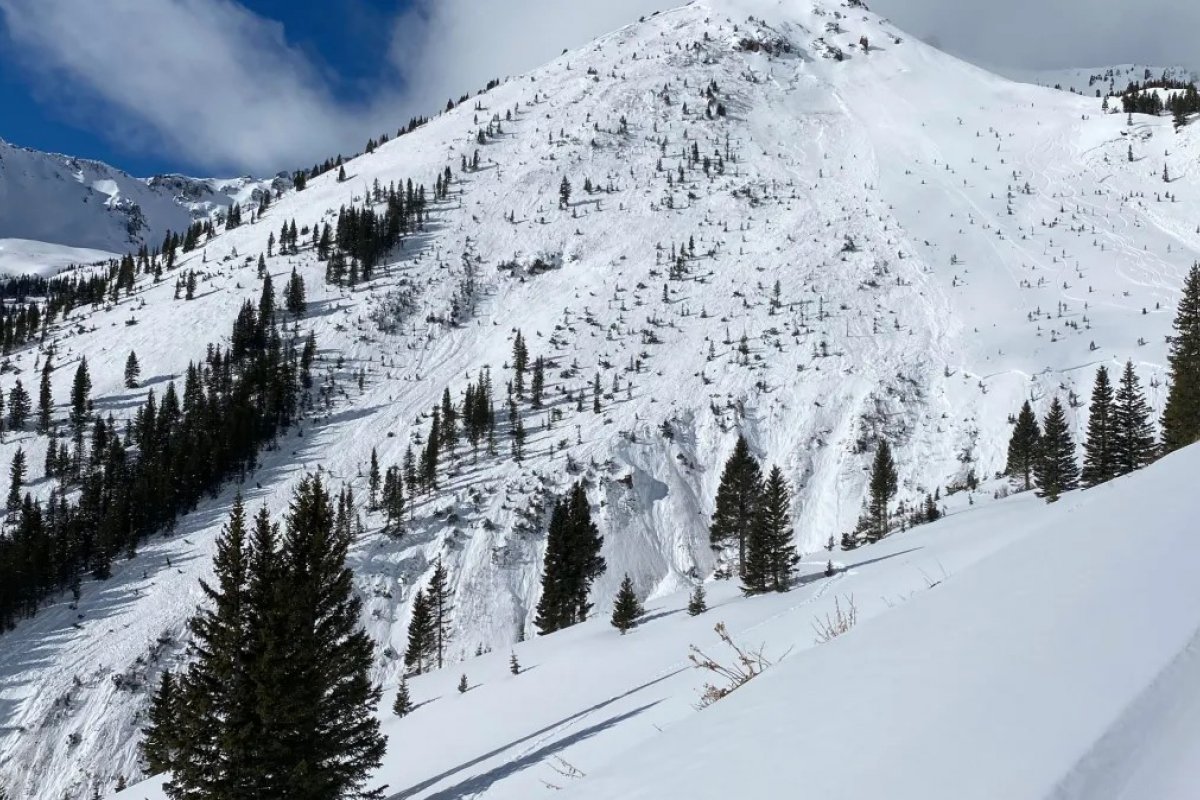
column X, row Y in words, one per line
column 1181, row 417
column 1023, row 447
column 737, row 498
column 1057, row 470
column 626, row 609
column 1099, row 455
column 883, row 486
column 1133, row 434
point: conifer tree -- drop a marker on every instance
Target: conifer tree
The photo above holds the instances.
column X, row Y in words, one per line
column 18, row 406
column 736, row 501
column 1133, row 433
column 463, row 686
column 514, row 666
column 45, row 400
column 572, row 562
column 323, row 736
column 16, row 479
column 132, row 371
column 393, row 497
column 266, row 300
column 1023, row 447
column 438, row 597
column 772, row 554
column 294, row 300
column 697, row 602
column 429, row 458
column 564, row 192
column 520, row 356
column 1099, row 454
column 1181, row 417
column 537, row 384
column 160, row 744
column 403, row 704
column 883, row 486
column 216, row 707
column 449, row 429
column 373, row 479
column 626, row 608
column 421, row 634
column 1056, row 470
column 81, row 390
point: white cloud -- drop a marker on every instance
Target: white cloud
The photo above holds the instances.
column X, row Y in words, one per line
column 205, row 80
column 445, row 48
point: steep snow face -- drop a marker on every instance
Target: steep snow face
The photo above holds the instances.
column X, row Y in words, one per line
column 946, row 243
column 81, row 203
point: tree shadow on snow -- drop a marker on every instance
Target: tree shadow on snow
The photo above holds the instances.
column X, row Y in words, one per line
column 480, row 782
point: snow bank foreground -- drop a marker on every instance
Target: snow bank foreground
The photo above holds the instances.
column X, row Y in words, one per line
column 1017, row 650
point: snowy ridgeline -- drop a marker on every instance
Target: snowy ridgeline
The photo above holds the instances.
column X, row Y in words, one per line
column 1016, row 650
column 772, row 230
column 76, row 202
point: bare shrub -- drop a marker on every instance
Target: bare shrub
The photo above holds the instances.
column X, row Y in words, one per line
column 743, row 666
column 838, row 623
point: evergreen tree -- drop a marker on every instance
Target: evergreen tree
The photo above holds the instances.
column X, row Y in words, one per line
column 1133, row 433
column 572, row 562
column 216, row 706
column 438, row 596
column 373, row 478
column 1023, row 447
column 564, row 192
column 537, row 384
column 514, row 666
column 266, row 300
column 45, row 400
column 771, row 554
column 737, row 499
column 403, row 705
column 323, row 738
column 429, row 458
column 520, row 356
column 422, row 635
column 132, row 371
column 295, row 301
column 883, row 486
column 463, row 686
column 16, row 479
column 18, row 406
column 1056, row 470
column 626, row 608
column 1099, row 454
column 1181, row 417
column 697, row 602
column 161, row 743
column 81, row 390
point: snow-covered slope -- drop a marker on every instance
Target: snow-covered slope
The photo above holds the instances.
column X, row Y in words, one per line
column 1105, row 80
column 24, row 257
column 946, row 244
column 77, row 202
column 1012, row 651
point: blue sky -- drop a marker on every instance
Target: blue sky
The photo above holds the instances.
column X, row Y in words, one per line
column 224, row 87
column 348, row 46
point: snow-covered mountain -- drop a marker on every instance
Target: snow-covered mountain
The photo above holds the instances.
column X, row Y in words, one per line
column 1105, row 80
column 804, row 226
column 75, row 202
